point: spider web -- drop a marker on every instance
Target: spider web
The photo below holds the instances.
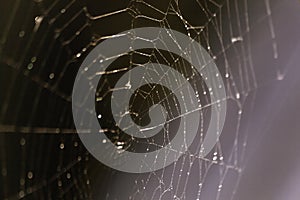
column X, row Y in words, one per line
column 43, row 44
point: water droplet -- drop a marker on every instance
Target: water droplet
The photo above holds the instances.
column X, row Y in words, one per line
column 30, row 175
column 22, row 181
column 21, row 34
column 236, row 39
column 51, row 76
column 33, row 59
column 38, row 19
column 30, row 66
column 280, row 76
column 59, row 183
column 21, row 194
column 22, row 141
column 220, row 187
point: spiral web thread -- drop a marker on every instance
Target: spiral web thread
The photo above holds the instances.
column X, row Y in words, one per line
column 42, row 46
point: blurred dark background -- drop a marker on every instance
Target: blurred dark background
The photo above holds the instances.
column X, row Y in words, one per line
column 256, row 45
